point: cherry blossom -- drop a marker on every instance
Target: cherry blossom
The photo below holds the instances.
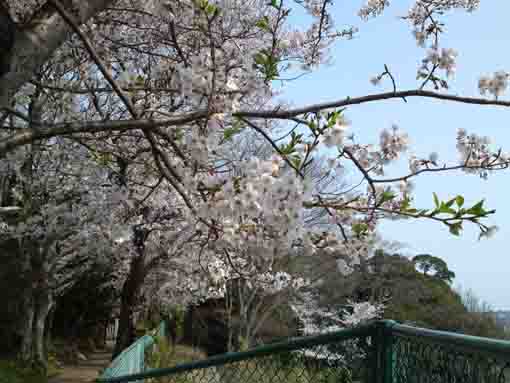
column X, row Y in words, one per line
column 167, row 115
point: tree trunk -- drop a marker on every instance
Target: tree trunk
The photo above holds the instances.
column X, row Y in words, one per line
column 49, row 328
column 36, row 308
column 130, row 290
column 34, row 45
column 44, row 305
column 28, row 320
column 125, row 334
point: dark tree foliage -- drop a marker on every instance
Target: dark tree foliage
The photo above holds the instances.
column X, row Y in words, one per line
column 13, row 282
column 423, row 298
column 435, row 265
column 7, row 33
column 88, row 303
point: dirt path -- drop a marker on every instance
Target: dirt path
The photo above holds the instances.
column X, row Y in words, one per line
column 86, row 371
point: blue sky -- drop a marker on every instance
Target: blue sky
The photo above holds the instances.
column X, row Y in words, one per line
column 481, row 39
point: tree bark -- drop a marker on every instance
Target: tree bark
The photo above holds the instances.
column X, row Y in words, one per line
column 49, row 328
column 37, row 306
column 37, row 41
column 28, row 320
column 44, row 305
column 129, row 296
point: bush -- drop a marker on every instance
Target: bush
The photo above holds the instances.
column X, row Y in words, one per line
column 283, row 368
column 163, row 354
column 12, row 371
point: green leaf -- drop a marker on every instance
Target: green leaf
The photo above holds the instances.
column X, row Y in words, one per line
column 229, row 133
column 103, row 158
column 436, row 200
column 263, row 23
column 459, row 200
column 405, row 204
column 450, row 202
column 296, row 160
column 296, row 139
column 236, row 128
column 211, row 9
column 477, row 209
column 267, row 64
column 333, row 117
column 360, row 228
column 444, row 208
column 287, row 149
column 274, row 4
column 178, row 134
column 139, row 80
column 259, row 58
column 386, row 196
column 201, row 3
column 455, row 228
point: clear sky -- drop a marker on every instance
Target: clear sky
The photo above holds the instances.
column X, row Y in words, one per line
column 481, row 39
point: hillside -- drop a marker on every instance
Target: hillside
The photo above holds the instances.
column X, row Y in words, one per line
column 410, row 296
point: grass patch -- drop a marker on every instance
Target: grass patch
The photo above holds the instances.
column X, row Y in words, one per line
column 282, row 368
column 165, row 355
column 13, row 371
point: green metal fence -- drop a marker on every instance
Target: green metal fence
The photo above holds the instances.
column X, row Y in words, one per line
column 421, row 355
column 381, row 352
column 132, row 359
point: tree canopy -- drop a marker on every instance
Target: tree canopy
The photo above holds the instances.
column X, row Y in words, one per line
column 148, row 137
column 428, row 263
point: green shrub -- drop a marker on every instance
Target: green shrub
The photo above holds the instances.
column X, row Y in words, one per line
column 285, row 367
column 163, row 354
column 13, row 372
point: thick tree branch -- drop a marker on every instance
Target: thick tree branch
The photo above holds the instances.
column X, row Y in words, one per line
column 62, row 129
column 47, row 131
column 290, row 113
column 35, row 44
column 95, row 57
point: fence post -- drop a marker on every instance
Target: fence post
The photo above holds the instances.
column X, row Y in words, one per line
column 383, row 356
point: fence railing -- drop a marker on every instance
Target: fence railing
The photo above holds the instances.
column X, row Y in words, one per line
column 381, row 352
column 132, row 359
column 422, row 355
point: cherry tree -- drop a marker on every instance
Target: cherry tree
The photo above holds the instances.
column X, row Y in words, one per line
column 159, row 89
column 210, row 87
column 57, row 233
column 151, row 234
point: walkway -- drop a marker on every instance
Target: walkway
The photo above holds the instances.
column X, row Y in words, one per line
column 86, row 371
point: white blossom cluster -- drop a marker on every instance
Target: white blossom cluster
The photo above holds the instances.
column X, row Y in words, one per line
column 495, row 85
column 416, row 164
column 423, row 9
column 265, row 199
column 393, row 143
column 443, row 59
column 476, row 154
column 221, row 273
column 315, row 319
column 64, row 201
column 334, row 137
column 427, row 28
column 318, row 320
column 373, row 8
column 362, row 312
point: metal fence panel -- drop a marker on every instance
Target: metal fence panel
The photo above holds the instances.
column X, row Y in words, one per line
column 381, row 352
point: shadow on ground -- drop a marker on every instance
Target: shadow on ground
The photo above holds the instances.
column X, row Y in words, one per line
column 86, row 371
